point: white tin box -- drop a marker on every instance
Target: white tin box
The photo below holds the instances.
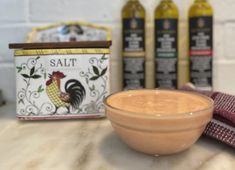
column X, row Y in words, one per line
column 61, row 80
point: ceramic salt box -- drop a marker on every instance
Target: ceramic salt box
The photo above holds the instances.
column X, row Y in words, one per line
column 61, row 80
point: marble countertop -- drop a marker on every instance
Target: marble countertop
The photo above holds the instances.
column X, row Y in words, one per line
column 93, row 145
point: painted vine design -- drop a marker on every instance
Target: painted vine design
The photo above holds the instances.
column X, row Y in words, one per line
column 97, row 72
column 29, row 71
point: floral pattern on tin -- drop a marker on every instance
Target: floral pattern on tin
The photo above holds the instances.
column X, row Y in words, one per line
column 30, row 71
column 93, row 84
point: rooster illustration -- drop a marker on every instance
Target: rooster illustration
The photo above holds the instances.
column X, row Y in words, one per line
column 74, row 92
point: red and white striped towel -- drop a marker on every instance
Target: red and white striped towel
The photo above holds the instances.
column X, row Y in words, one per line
column 222, row 126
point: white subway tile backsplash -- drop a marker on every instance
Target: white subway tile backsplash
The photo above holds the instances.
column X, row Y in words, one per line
column 229, row 46
column 115, row 79
column 116, row 43
column 11, row 34
column 223, row 10
column 219, row 41
column 84, row 10
column 224, row 79
column 13, row 11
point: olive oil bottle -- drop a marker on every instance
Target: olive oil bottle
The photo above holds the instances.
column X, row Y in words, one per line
column 201, row 44
column 133, row 24
column 166, row 45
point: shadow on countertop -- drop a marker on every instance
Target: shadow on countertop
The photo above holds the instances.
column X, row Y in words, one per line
column 120, row 156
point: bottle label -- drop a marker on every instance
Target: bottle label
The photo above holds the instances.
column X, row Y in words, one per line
column 201, row 52
column 166, row 53
column 133, row 35
column 134, row 74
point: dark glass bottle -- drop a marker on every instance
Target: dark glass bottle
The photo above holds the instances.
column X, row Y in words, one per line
column 201, row 44
column 166, row 45
column 133, row 24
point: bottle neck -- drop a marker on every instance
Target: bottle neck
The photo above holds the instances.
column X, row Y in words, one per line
column 133, row 1
column 166, row 1
column 199, row 1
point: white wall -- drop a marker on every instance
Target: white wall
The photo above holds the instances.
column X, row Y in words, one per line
column 17, row 17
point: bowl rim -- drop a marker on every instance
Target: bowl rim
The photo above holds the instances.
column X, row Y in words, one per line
column 162, row 115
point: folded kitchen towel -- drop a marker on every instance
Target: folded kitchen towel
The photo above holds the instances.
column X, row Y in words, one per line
column 222, row 126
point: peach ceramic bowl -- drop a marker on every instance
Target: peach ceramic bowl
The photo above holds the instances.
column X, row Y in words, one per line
column 159, row 122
